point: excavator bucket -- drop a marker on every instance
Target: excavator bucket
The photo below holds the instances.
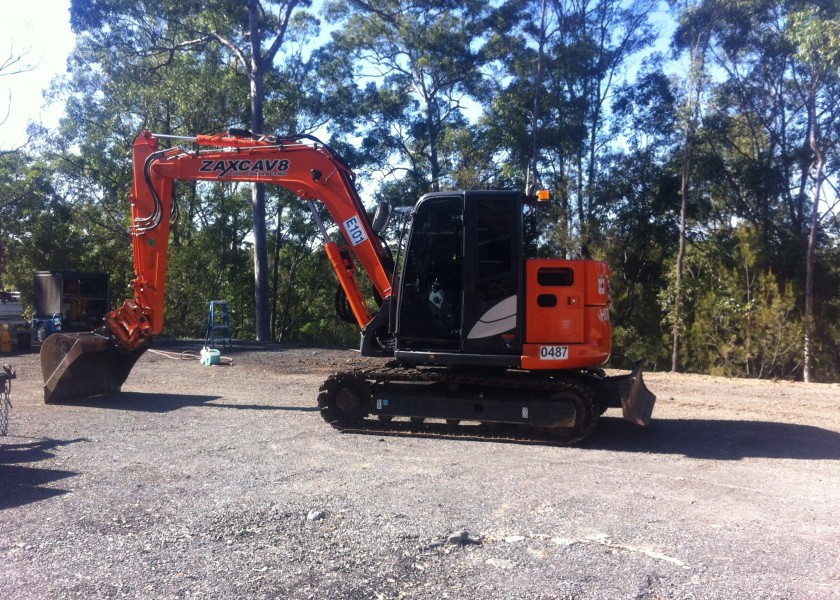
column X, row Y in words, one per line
column 79, row 365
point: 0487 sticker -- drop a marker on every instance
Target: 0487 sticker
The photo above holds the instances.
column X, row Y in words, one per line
column 554, row 353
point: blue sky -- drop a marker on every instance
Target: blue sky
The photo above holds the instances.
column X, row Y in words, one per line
column 40, row 31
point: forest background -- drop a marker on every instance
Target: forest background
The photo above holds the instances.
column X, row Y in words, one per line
column 710, row 190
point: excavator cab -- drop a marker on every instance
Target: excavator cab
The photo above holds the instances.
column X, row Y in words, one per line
column 462, row 279
column 430, row 302
column 474, row 295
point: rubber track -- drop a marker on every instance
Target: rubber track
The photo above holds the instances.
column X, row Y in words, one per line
column 512, row 380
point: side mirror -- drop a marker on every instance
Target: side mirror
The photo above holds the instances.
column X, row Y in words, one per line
column 381, row 217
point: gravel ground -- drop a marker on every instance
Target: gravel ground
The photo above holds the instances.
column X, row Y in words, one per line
column 224, row 482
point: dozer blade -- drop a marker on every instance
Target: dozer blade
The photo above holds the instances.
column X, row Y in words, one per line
column 79, row 365
column 631, row 394
column 636, row 400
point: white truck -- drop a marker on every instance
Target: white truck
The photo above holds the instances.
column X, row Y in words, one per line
column 11, row 309
column 13, row 328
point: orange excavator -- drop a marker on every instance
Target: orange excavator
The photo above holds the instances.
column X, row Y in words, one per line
column 483, row 335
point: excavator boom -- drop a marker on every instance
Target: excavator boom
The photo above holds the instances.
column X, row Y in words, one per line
column 80, row 365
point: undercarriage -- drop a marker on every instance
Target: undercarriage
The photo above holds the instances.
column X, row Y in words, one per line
column 560, row 408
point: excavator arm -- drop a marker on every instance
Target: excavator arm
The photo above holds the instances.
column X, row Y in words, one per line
column 97, row 363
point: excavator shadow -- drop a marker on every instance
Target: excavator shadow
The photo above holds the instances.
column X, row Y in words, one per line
column 164, row 403
column 138, row 401
column 718, row 439
column 20, row 484
column 470, row 433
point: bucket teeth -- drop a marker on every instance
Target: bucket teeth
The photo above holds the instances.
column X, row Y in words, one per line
column 81, row 365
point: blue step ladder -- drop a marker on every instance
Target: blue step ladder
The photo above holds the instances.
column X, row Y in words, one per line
column 218, row 325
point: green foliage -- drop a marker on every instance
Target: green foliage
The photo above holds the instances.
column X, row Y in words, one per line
column 412, row 65
column 754, row 331
column 41, row 228
column 827, row 355
column 209, row 269
column 739, row 320
column 580, row 50
column 639, row 244
column 815, row 32
column 306, row 310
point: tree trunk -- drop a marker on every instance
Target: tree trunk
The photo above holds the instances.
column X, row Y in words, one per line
column 275, row 275
column 676, row 332
column 819, row 164
column 261, row 292
column 287, row 303
column 581, row 213
column 695, row 84
column 432, row 124
column 535, row 114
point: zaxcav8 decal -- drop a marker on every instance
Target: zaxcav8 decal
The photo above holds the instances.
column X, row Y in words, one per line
column 245, row 167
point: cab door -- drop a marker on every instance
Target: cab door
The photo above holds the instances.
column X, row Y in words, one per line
column 493, row 255
column 431, row 294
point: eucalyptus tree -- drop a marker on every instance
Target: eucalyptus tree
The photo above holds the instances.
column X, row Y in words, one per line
column 417, row 65
column 756, row 126
column 755, row 160
column 562, row 71
column 733, row 129
column 816, row 32
column 244, row 39
column 697, row 22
